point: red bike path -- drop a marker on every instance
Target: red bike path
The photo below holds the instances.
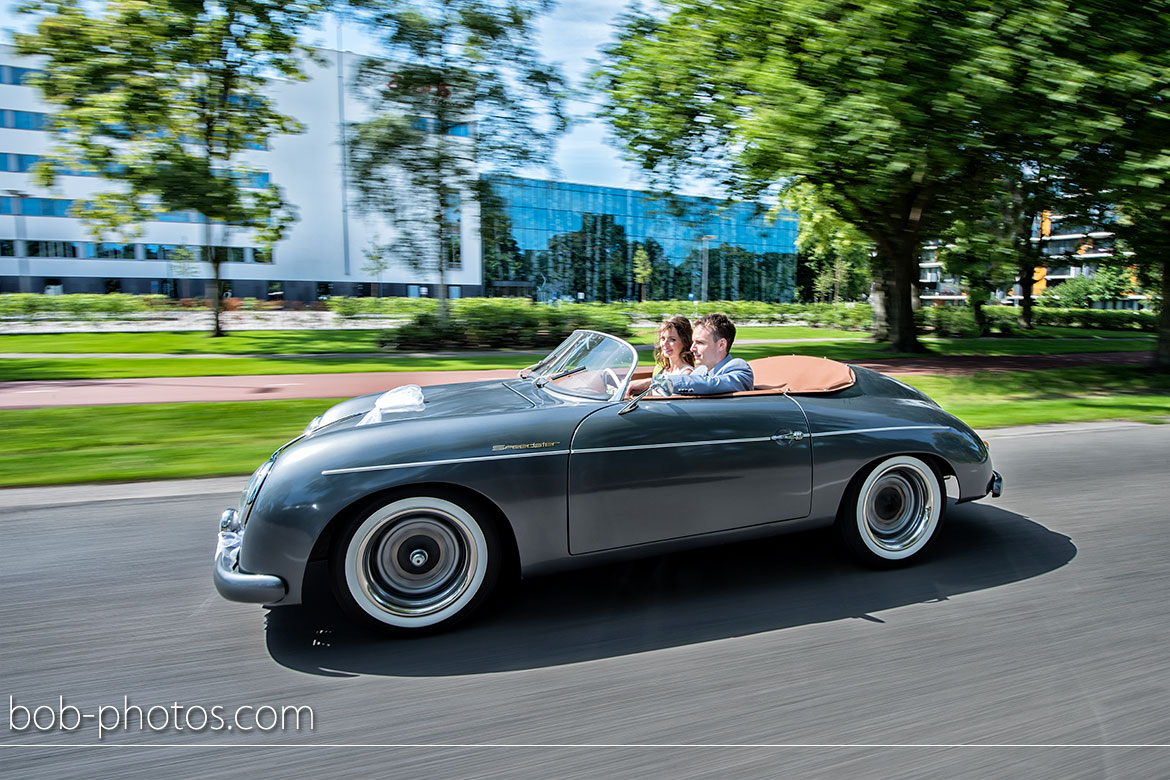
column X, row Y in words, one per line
column 96, row 392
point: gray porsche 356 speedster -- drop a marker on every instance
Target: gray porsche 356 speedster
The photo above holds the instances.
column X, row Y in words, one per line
column 421, row 507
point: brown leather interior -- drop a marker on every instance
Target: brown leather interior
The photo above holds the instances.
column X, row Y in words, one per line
column 784, row 374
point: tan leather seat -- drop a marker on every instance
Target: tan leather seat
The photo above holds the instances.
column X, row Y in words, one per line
column 785, row 374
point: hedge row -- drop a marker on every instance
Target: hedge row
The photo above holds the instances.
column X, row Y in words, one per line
column 959, row 321
column 82, row 306
column 1107, row 319
column 848, row 316
column 481, row 323
column 380, row 307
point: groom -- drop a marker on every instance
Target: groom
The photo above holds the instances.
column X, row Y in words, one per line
column 716, row 371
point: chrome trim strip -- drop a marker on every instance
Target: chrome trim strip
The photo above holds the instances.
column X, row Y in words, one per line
column 593, row 450
column 669, row 445
column 447, row 462
column 881, row 430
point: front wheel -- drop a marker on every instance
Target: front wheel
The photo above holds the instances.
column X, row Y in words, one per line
column 893, row 514
column 416, row 565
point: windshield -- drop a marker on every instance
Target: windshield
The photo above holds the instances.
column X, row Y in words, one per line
column 587, row 364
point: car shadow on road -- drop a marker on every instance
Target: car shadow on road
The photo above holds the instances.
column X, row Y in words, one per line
column 679, row 599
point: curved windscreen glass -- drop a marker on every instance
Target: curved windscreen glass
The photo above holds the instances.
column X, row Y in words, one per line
column 587, row 364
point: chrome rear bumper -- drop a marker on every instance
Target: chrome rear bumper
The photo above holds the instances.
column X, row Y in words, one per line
column 233, row 583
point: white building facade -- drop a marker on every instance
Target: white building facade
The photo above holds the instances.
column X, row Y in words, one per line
column 45, row 249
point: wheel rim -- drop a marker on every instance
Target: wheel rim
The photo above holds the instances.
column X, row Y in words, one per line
column 415, row 564
column 898, row 508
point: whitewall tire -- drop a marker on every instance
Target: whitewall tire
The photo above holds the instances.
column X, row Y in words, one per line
column 893, row 515
column 416, row 565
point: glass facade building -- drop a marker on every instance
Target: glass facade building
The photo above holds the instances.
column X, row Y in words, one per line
column 556, row 240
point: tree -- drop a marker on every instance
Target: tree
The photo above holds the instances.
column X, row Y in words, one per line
column 896, row 110
column 643, row 270
column 460, row 89
column 182, row 266
column 162, row 98
column 834, row 255
column 376, row 264
column 987, row 244
column 1075, row 293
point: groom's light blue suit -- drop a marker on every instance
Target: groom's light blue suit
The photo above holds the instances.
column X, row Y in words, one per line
column 729, row 375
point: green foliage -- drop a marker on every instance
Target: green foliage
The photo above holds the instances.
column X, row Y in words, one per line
column 508, row 323
column 1105, row 319
column 1075, row 293
column 959, row 321
column 379, row 307
column 834, row 255
column 897, row 112
column 418, row 157
column 949, row 321
column 78, row 306
column 161, row 100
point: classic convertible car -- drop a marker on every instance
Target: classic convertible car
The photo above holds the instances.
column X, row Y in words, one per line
column 421, row 500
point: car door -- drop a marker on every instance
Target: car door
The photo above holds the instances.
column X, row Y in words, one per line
column 673, row 468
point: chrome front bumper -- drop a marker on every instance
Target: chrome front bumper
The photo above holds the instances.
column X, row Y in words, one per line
column 995, row 486
column 233, row 583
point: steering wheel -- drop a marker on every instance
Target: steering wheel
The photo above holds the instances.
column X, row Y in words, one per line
column 610, row 379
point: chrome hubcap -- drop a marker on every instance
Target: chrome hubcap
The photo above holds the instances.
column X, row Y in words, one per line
column 416, row 562
column 898, row 507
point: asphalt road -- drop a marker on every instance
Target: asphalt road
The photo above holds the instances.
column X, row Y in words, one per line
column 1040, row 622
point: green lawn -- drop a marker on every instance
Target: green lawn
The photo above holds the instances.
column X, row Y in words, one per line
column 166, row 441
column 15, row 369
column 1001, row 399
column 315, row 342
column 125, row 443
column 42, row 368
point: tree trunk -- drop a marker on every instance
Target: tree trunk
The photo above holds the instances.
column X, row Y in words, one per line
column 878, row 298
column 976, row 299
column 900, row 302
column 1026, row 280
column 216, row 300
column 1162, row 348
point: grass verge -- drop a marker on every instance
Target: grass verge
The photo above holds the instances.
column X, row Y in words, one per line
column 316, row 342
column 1002, row 399
column 169, row 441
column 46, row 368
column 55, row 446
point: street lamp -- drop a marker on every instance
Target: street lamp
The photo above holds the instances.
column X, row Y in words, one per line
column 705, row 239
column 20, row 247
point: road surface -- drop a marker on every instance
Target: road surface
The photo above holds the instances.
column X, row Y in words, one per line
column 1040, row 620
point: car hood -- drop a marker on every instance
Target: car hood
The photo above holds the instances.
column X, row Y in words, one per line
column 466, row 398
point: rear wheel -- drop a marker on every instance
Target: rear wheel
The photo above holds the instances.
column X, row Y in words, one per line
column 894, row 513
column 416, row 565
